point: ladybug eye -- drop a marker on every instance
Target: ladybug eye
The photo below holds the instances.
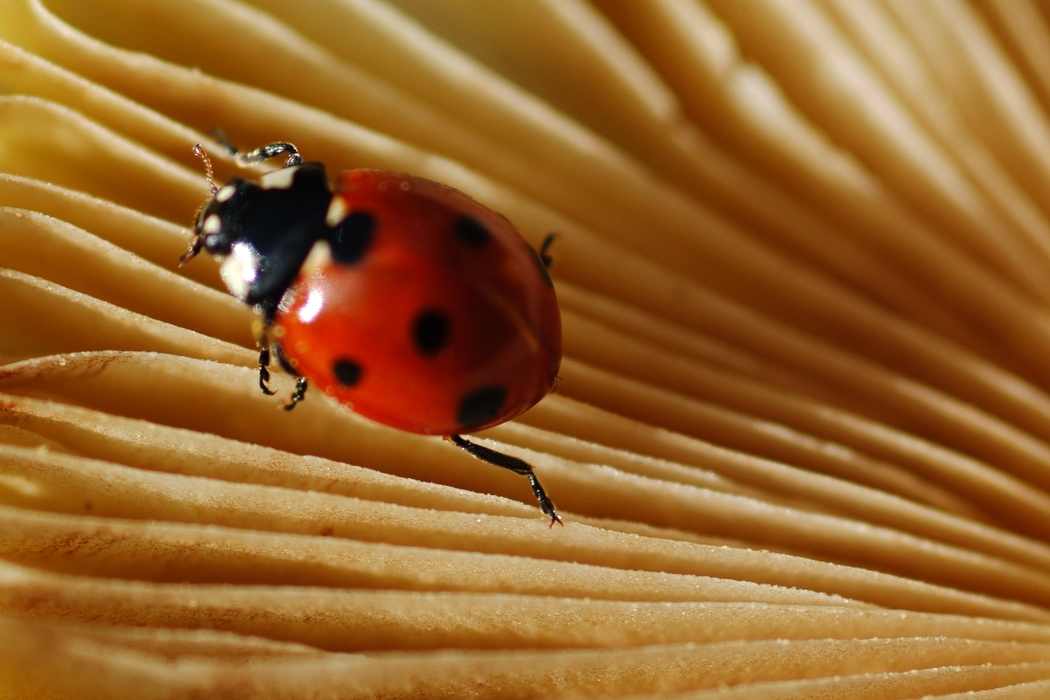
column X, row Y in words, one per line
column 430, row 331
column 480, row 406
column 471, row 231
column 347, row 372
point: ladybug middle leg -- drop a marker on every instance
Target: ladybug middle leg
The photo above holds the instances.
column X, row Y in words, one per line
column 518, row 466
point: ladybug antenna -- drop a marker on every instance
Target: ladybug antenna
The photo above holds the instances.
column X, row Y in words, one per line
column 198, row 150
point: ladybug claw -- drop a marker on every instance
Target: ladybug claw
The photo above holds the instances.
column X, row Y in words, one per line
column 518, row 466
column 301, row 385
column 546, row 505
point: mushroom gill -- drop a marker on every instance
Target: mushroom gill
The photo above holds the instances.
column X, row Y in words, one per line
column 801, row 437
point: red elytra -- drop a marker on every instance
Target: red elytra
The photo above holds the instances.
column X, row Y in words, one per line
column 447, row 302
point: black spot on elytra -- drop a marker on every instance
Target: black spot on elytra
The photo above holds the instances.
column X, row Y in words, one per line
column 430, row 331
column 471, row 231
column 347, row 372
column 480, row 406
column 351, row 238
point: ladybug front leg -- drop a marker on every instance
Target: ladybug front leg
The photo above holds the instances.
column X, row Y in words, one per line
column 264, row 363
column 260, row 154
column 518, row 466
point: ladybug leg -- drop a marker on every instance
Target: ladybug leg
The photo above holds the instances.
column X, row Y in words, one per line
column 260, row 154
column 545, row 256
column 516, row 465
column 261, row 329
column 264, row 363
column 301, row 383
column 220, row 137
column 270, row 150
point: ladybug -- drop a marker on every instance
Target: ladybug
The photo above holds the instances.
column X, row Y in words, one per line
column 404, row 299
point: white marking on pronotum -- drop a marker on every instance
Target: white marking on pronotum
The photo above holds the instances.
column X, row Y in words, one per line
column 337, row 211
column 225, row 193
column 213, row 224
column 240, row 269
column 278, row 179
column 319, row 256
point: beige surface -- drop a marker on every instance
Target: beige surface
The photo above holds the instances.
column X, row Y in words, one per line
column 801, row 440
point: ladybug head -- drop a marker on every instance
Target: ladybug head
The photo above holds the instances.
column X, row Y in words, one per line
column 216, row 227
column 262, row 231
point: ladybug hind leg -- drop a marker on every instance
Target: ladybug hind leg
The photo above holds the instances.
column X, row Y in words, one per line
column 518, row 466
column 544, row 251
